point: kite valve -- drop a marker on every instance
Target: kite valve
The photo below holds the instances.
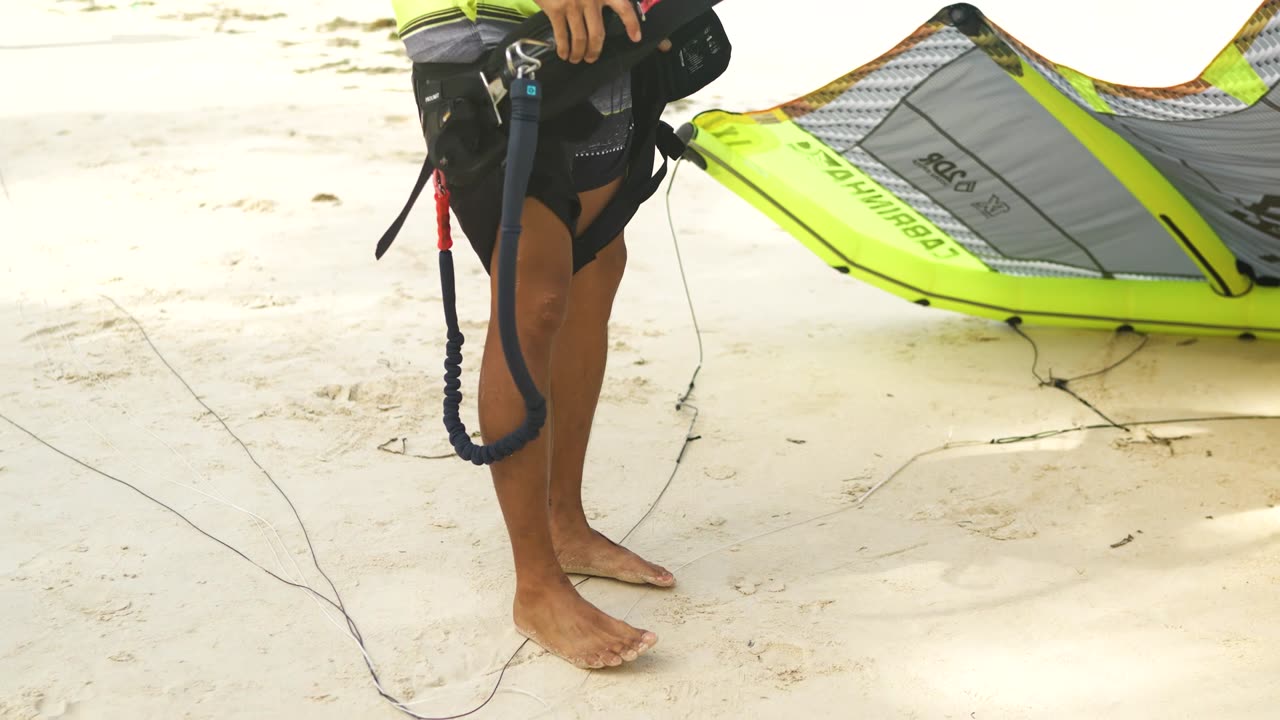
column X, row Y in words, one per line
column 965, row 18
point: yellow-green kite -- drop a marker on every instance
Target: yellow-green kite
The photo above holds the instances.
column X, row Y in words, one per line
column 965, row 171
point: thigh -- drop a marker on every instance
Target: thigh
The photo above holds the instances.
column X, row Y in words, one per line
column 544, row 263
column 598, row 280
column 549, row 212
column 477, row 204
column 478, row 207
column 593, row 202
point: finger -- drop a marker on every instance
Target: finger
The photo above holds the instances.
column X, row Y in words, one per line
column 664, row 46
column 561, row 30
column 595, row 33
column 577, row 37
column 627, row 11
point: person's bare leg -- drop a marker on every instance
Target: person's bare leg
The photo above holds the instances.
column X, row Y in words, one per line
column 580, row 354
column 547, row 608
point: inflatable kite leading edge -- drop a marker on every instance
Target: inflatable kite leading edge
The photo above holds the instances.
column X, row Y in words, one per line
column 963, row 170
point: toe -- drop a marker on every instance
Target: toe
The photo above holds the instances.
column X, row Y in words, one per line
column 661, row 576
column 611, row 659
column 646, row 640
column 590, row 662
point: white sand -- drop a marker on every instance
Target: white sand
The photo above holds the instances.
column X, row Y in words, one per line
column 169, row 158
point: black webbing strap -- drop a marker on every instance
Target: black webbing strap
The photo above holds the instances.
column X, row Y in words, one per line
column 638, row 187
column 389, row 236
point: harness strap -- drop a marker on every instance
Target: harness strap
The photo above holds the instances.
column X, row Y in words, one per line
column 635, row 190
column 656, row 87
column 389, row 236
column 465, row 143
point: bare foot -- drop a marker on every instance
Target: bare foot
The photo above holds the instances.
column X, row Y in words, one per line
column 562, row 622
column 587, row 552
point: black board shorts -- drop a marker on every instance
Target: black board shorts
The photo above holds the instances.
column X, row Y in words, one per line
column 562, row 169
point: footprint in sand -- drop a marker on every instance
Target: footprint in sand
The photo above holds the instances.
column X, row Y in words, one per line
column 750, row 584
column 113, row 611
column 680, row 692
column 251, row 205
column 341, row 23
column 381, row 70
column 336, row 24
column 997, row 522
column 786, row 662
column 720, row 472
column 261, row 303
column 48, row 331
column 630, row 390
column 383, row 394
column 49, row 708
column 325, row 66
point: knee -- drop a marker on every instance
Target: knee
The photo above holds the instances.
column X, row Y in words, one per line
column 542, row 312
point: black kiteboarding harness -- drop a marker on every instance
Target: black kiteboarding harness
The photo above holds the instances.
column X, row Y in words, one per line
column 489, row 112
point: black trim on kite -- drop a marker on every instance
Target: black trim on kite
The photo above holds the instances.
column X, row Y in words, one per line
column 963, row 301
column 906, row 101
column 1223, row 288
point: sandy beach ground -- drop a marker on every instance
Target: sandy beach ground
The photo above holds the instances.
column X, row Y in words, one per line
column 221, row 170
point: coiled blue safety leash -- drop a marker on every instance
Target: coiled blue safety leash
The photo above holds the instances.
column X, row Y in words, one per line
column 522, row 143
